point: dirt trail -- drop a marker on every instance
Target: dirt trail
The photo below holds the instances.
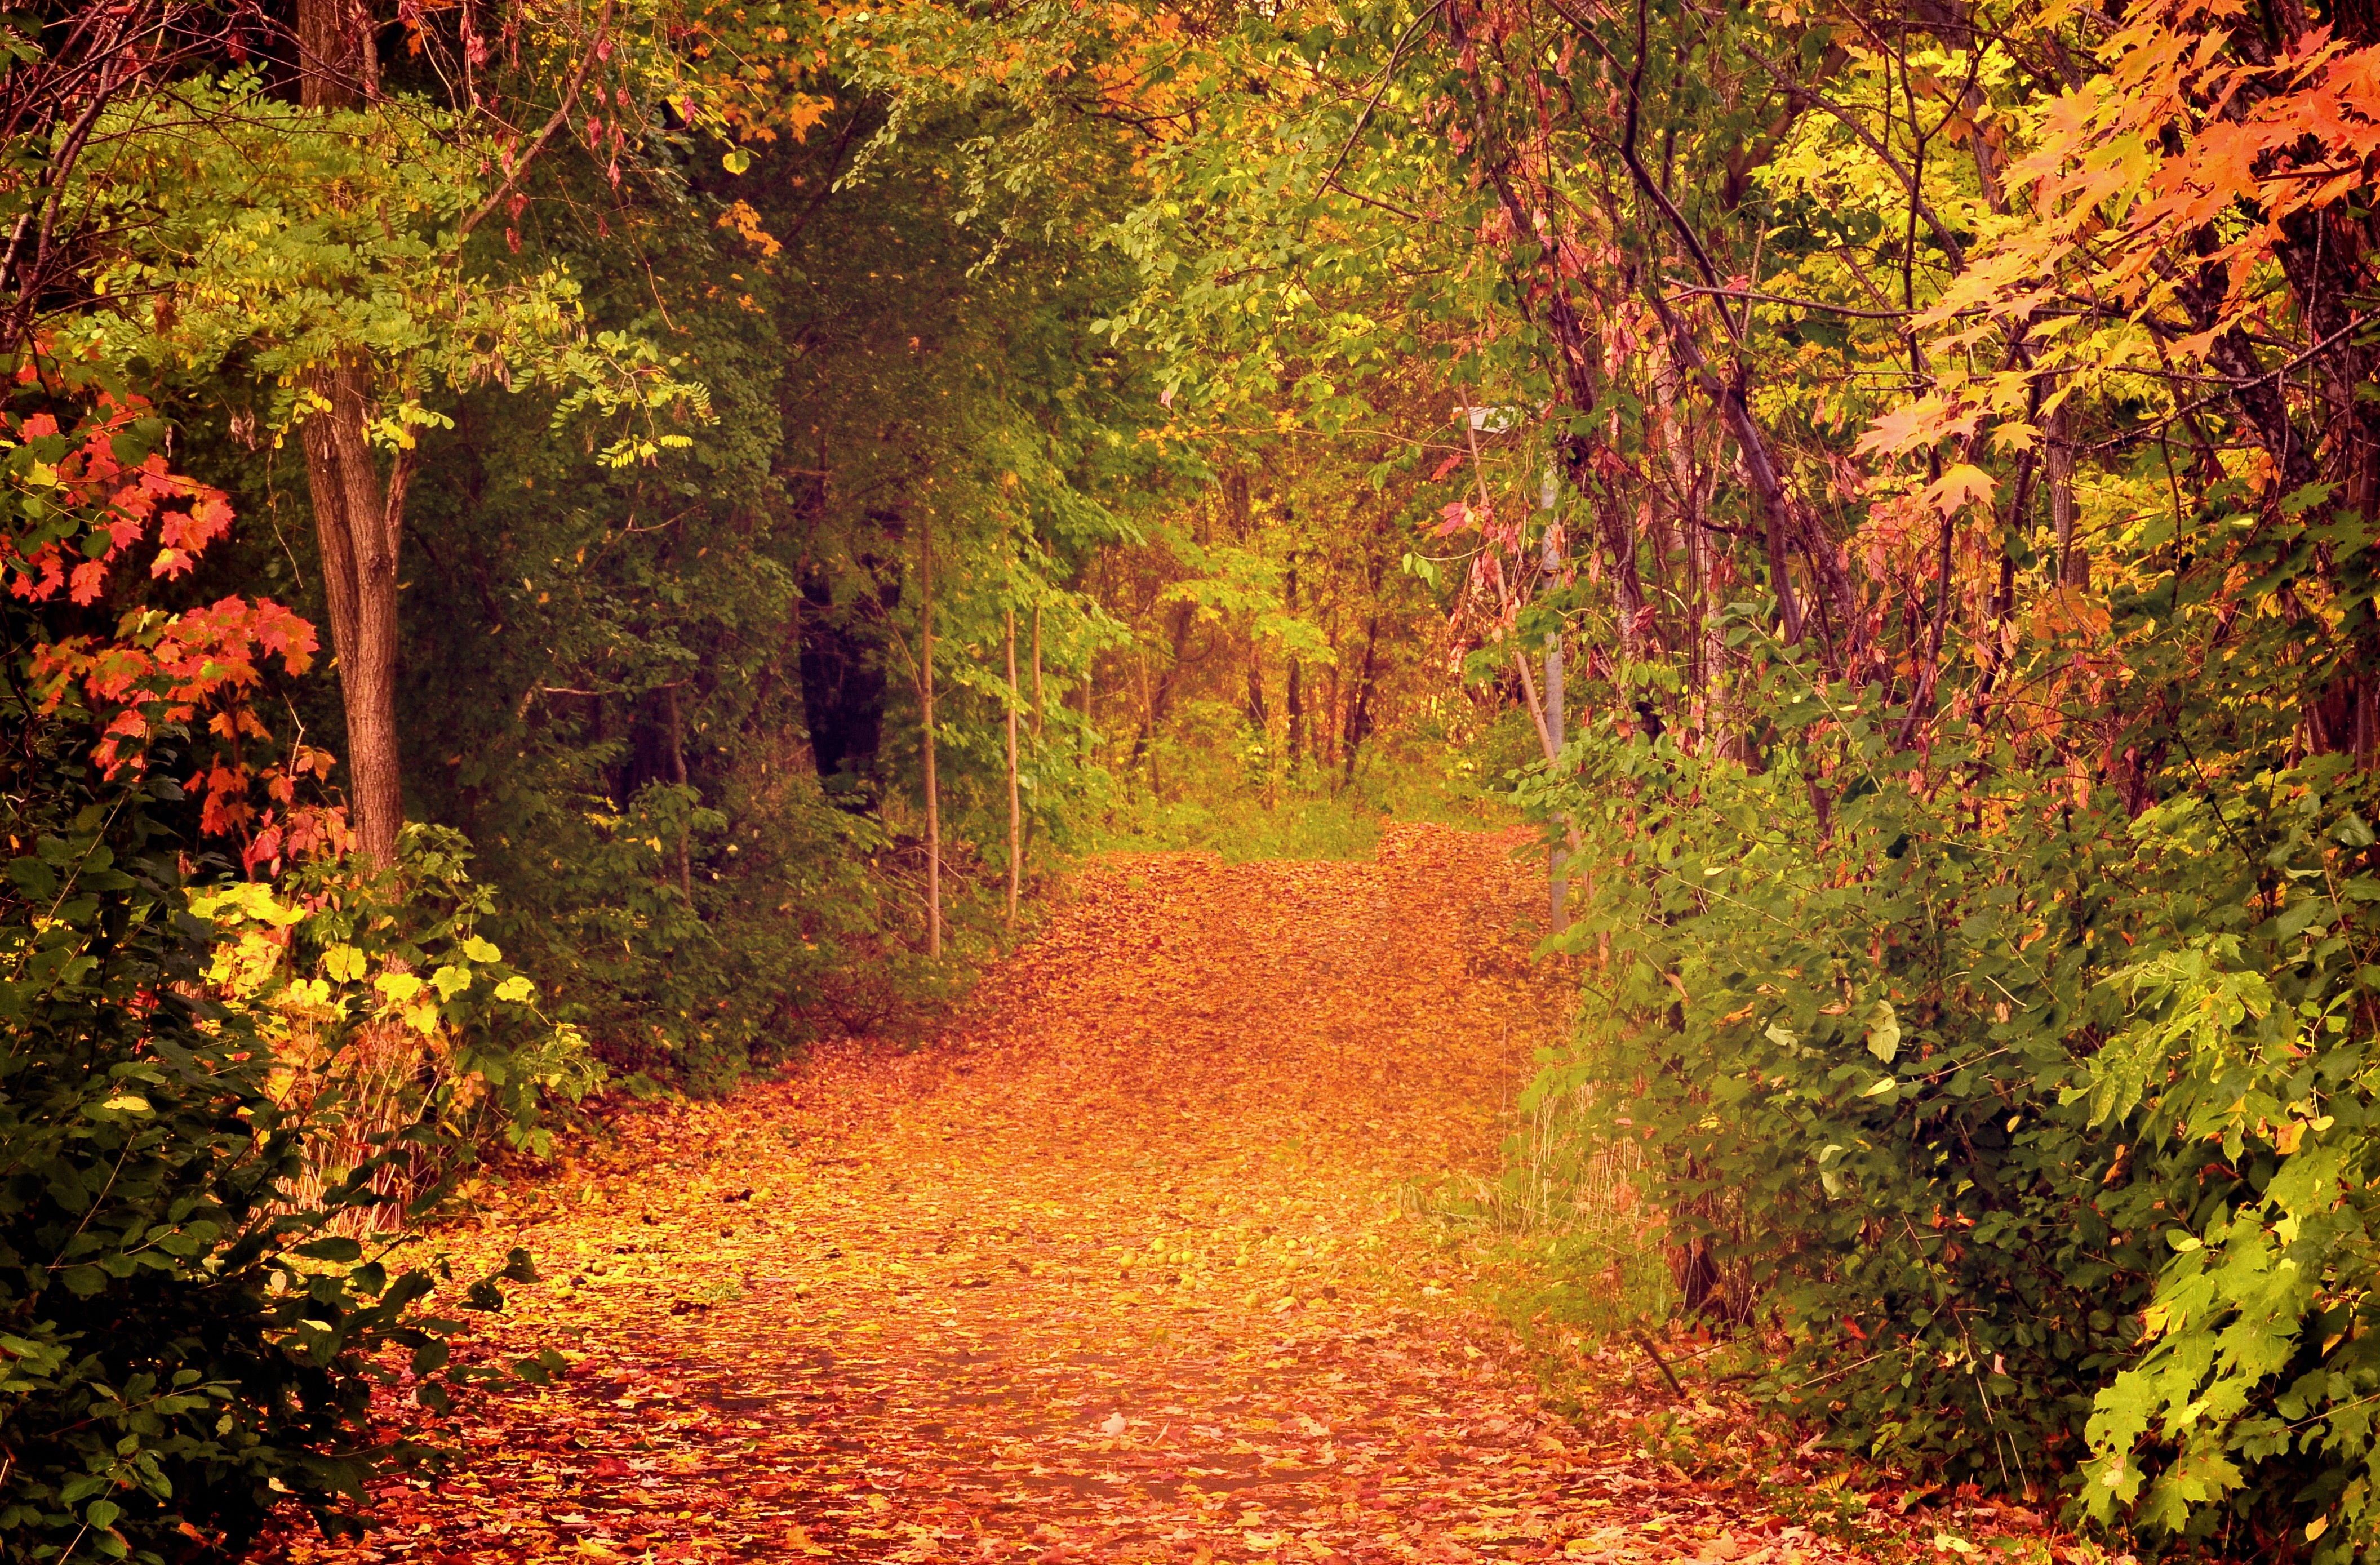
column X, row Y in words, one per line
column 1118, row 1271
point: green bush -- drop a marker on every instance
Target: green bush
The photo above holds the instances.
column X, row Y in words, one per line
column 787, row 923
column 2038, row 1127
column 180, row 1350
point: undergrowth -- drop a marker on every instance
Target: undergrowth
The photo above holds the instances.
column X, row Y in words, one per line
column 1212, row 781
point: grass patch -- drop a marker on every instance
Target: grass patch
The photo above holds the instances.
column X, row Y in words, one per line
column 1208, row 783
column 1558, row 1239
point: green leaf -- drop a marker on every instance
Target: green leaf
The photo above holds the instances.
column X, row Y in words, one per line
column 1883, row 1032
column 336, row 1247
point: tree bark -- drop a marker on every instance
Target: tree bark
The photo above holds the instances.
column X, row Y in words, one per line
column 337, row 68
column 356, row 525
column 1037, row 673
column 1557, row 863
column 1016, row 814
column 1293, row 698
column 677, row 776
column 2073, row 559
column 926, row 731
column 355, row 521
column 1359, row 713
column 1158, row 700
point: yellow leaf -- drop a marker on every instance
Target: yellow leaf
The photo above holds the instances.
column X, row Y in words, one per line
column 1964, row 484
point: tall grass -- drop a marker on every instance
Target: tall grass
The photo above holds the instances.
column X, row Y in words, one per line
column 1563, row 1243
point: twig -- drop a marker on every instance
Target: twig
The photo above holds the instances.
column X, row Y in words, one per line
column 1759, row 297
column 1658, row 1362
column 561, row 116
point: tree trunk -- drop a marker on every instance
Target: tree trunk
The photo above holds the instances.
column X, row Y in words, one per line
column 337, row 68
column 1037, row 673
column 357, row 523
column 2073, row 559
column 358, row 527
column 677, row 776
column 1016, row 815
column 1359, row 713
column 1556, row 862
column 926, row 731
column 1156, row 702
column 1293, row 698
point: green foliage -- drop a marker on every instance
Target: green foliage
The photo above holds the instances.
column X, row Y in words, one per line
column 2038, row 1128
column 1847, row 1041
column 406, row 949
column 181, row 1350
column 1215, row 783
column 289, row 241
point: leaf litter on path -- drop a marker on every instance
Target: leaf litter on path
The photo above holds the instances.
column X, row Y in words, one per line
column 1116, row 1270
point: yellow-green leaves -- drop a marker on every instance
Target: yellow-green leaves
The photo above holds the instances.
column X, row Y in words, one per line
column 1883, row 1032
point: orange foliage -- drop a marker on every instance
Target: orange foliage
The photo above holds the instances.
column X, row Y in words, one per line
column 1129, row 1268
column 158, row 670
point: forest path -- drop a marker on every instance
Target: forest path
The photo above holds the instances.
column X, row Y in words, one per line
column 1119, row 1271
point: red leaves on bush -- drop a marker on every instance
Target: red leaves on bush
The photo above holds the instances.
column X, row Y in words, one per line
column 75, row 515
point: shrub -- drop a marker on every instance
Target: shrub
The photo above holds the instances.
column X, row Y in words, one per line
column 2038, row 1128
column 181, row 1352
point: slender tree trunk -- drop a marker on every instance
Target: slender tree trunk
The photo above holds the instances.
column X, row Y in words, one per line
column 1556, row 862
column 1329, row 727
column 1359, row 714
column 1158, row 701
column 2073, row 559
column 925, row 730
column 1293, row 698
column 1036, row 674
column 677, row 775
column 1016, row 814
